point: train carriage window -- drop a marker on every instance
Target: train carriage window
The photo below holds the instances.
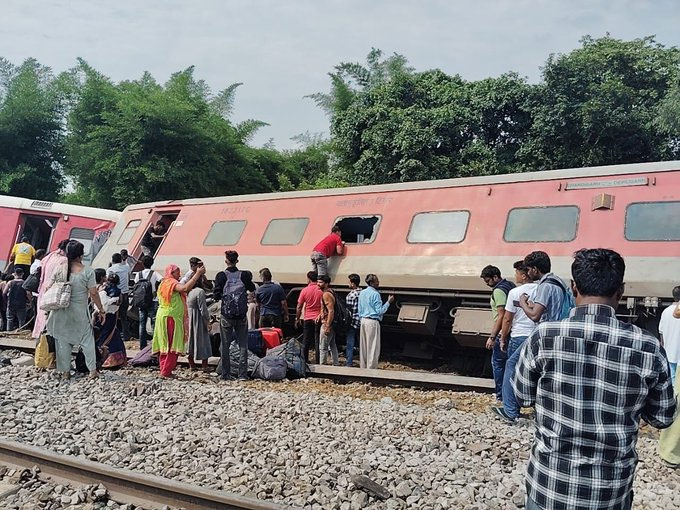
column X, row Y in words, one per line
column 358, row 229
column 653, row 221
column 285, row 231
column 542, row 224
column 225, row 233
column 86, row 237
column 129, row 232
column 439, row 227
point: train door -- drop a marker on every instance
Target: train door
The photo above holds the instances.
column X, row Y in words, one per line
column 38, row 228
column 164, row 218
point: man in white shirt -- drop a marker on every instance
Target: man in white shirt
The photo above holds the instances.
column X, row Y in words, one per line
column 669, row 332
column 194, row 262
column 144, row 314
column 515, row 329
column 37, row 262
column 121, row 269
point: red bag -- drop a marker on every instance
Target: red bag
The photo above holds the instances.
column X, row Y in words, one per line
column 272, row 337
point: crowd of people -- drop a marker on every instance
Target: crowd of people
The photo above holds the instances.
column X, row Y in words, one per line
column 589, row 376
column 174, row 307
column 559, row 348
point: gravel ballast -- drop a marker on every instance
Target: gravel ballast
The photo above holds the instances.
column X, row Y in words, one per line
column 312, row 444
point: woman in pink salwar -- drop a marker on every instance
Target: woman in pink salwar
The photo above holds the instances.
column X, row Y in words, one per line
column 50, row 264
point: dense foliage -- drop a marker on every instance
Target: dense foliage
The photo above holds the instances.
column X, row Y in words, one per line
column 607, row 102
column 83, row 138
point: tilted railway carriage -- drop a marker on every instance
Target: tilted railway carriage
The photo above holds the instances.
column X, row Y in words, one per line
column 47, row 223
column 428, row 241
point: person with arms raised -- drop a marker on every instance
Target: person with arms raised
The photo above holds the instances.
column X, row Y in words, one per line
column 330, row 245
column 172, row 319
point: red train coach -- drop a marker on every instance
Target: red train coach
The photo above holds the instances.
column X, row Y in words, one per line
column 428, row 241
column 47, row 223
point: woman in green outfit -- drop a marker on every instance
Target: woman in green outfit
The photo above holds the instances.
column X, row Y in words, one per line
column 172, row 319
column 71, row 326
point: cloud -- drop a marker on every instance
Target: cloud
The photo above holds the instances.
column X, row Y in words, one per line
column 284, row 50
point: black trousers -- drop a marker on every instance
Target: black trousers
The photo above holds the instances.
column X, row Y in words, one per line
column 123, row 316
column 310, row 333
column 277, row 320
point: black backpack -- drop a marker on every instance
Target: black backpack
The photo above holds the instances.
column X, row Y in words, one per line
column 142, row 292
column 342, row 317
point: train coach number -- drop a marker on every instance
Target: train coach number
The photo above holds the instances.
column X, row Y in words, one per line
column 238, row 209
column 361, row 202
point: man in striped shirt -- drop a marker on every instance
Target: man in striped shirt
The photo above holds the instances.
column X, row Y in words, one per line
column 352, row 301
column 591, row 378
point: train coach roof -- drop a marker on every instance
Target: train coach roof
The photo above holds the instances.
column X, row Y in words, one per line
column 56, row 207
column 544, row 175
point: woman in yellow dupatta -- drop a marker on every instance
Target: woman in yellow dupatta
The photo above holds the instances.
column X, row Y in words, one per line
column 172, row 319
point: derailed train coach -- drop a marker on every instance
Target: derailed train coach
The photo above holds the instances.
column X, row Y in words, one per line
column 47, row 223
column 428, row 241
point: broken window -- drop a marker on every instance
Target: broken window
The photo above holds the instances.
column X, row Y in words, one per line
column 358, row 229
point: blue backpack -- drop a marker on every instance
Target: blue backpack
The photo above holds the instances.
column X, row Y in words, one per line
column 234, row 296
column 568, row 302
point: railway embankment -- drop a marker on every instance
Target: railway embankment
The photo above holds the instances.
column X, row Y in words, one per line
column 308, row 443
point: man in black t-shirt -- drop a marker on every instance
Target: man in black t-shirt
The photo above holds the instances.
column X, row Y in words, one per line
column 230, row 289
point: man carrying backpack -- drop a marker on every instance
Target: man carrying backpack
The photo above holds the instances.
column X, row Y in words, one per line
column 231, row 286
column 550, row 302
column 17, row 299
column 551, row 295
column 144, row 297
column 327, row 319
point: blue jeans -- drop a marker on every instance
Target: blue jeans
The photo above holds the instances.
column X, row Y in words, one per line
column 234, row 330
column 352, row 335
column 498, row 359
column 674, row 368
column 510, row 403
column 143, row 316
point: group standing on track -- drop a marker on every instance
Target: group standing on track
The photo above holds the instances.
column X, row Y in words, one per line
column 176, row 306
column 556, row 347
column 589, row 376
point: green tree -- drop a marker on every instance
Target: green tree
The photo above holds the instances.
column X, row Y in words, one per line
column 599, row 105
column 32, row 105
column 139, row 141
column 428, row 125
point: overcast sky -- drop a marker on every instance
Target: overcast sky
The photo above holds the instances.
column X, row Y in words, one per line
column 282, row 50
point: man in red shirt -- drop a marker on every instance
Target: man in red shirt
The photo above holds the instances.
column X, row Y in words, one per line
column 330, row 245
column 310, row 299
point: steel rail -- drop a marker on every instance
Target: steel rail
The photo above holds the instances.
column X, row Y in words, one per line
column 407, row 378
column 151, row 492
column 411, row 378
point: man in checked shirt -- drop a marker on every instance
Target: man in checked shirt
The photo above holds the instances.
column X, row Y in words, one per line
column 591, row 378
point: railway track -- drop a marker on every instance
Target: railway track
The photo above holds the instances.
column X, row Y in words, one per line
column 150, row 492
column 408, row 378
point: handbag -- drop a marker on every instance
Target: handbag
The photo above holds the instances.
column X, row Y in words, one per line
column 43, row 357
column 57, row 297
column 32, row 283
